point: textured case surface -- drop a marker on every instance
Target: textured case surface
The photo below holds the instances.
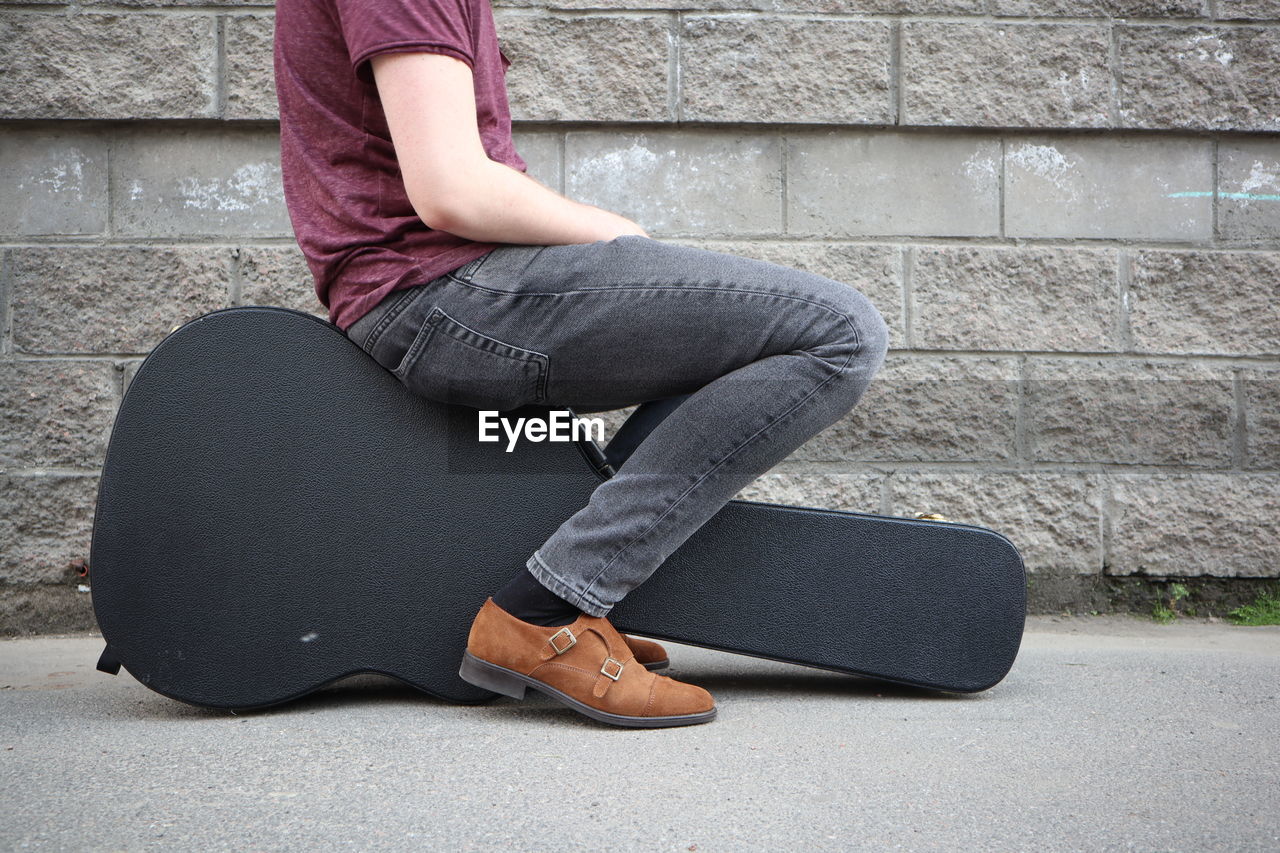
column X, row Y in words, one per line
column 276, row 511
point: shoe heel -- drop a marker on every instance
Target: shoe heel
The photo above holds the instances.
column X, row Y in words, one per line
column 481, row 674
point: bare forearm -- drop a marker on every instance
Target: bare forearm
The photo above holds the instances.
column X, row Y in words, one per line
column 496, row 203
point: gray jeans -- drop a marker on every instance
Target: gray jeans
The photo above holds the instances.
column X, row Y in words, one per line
column 768, row 356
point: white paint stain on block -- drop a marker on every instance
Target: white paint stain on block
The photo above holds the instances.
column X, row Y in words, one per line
column 1201, row 45
column 249, row 186
column 1050, row 164
column 1262, row 178
column 613, row 172
column 979, row 167
column 66, row 177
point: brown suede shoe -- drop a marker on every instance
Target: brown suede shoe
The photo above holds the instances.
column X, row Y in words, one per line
column 648, row 654
column 587, row 665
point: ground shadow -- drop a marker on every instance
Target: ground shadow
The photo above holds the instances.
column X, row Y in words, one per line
column 806, row 682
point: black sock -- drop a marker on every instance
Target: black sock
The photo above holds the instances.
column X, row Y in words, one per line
column 528, row 600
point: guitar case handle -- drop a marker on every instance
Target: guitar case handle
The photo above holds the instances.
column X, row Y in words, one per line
column 108, row 661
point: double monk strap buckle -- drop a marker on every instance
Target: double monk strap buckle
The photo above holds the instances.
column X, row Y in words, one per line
column 569, row 640
column 615, row 674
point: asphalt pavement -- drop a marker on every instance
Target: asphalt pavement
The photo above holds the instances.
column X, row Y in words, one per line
column 1109, row 734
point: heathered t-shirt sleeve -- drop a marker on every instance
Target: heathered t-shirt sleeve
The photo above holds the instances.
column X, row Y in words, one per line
column 347, row 200
column 370, row 27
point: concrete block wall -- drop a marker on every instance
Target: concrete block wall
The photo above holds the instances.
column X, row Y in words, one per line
column 1067, row 210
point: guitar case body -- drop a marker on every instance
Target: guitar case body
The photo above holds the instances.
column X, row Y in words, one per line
column 276, row 511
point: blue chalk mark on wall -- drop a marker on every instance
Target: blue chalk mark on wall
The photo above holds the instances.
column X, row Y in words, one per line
column 1245, row 196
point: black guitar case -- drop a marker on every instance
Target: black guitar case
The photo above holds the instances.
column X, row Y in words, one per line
column 276, row 511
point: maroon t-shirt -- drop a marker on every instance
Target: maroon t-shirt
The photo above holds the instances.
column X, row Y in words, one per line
column 342, row 184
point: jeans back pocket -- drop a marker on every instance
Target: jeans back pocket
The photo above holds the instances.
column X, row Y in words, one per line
column 452, row 363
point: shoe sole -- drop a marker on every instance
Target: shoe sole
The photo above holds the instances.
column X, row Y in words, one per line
column 508, row 682
column 653, row 666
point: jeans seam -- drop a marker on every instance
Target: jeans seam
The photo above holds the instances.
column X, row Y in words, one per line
column 695, row 288
column 665, row 288
column 680, row 498
column 419, row 343
column 673, row 289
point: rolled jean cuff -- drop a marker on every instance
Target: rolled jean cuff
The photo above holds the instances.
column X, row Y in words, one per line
column 547, row 577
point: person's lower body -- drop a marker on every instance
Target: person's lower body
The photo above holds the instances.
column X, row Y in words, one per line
column 743, row 361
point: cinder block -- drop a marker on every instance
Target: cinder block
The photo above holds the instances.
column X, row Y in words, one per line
column 935, row 409
column 145, row 4
column 587, row 67
column 1113, row 187
column 52, row 182
column 1205, row 302
column 893, row 7
column 1053, row 518
column 1103, row 8
column 198, row 183
column 804, row 486
column 130, row 369
column 1261, row 386
column 1218, row 78
column 759, row 68
column 72, row 299
column 107, row 66
column 1033, row 298
column 1249, row 190
column 55, row 413
column 46, row 523
column 874, row 270
column 1250, row 10
column 46, row 608
column 6, row 315
column 1128, row 411
column 250, row 76
column 889, row 7
column 672, row 181
column 278, row 275
column 1005, row 75
column 541, row 154
column 1194, row 524
column 887, row 183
